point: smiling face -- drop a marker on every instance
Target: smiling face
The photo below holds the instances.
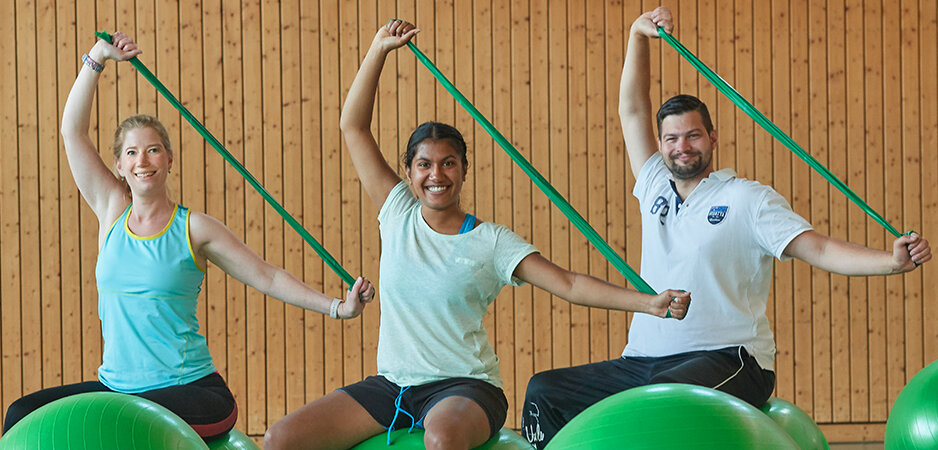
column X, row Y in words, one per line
column 686, row 146
column 436, row 174
column 144, row 161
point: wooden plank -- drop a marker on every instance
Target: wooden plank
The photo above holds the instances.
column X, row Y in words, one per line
column 803, row 356
column 212, row 71
column 616, row 194
column 927, row 68
column 856, row 219
column 444, row 57
column 293, row 157
column 820, row 217
column 28, row 179
column 49, row 231
column 540, row 158
column 253, row 209
column 463, row 77
column 745, row 165
column 724, row 112
column 522, row 199
column 837, row 163
column 579, row 171
column 689, row 28
column 274, row 356
column 909, row 32
column 189, row 161
column 11, row 361
column 311, row 110
column 351, row 194
column 559, row 70
column 762, row 98
column 876, row 294
column 166, row 37
column 595, row 139
column 505, row 345
column 145, row 29
column 69, row 203
column 369, row 21
column 782, row 288
column 332, row 85
column 853, row 432
column 894, row 209
column 235, row 216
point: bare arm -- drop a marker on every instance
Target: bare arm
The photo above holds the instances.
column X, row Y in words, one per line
column 213, row 241
column 98, row 186
column 634, row 98
column 845, row 258
column 591, row 291
column 377, row 177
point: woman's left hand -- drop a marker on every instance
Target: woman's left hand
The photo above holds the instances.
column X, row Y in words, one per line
column 361, row 293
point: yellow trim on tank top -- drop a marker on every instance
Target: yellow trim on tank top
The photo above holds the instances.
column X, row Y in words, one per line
column 189, row 242
column 147, row 238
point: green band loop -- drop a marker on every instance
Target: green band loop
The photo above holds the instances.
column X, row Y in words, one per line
column 330, row 261
column 539, row 180
column 773, row 129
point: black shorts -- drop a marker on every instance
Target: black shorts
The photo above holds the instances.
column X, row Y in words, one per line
column 378, row 396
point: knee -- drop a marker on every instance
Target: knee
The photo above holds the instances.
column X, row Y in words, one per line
column 447, row 434
column 278, row 436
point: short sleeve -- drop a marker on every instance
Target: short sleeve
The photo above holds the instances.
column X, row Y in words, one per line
column 399, row 201
column 776, row 224
column 653, row 169
column 510, row 249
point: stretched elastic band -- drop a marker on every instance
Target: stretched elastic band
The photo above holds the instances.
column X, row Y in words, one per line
column 538, row 179
column 773, row 129
column 330, row 261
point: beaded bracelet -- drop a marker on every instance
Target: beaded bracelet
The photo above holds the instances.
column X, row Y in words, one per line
column 94, row 65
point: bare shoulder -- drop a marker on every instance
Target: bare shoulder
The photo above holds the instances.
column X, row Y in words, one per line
column 203, row 228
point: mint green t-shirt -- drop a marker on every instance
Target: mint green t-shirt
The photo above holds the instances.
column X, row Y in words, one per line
column 434, row 290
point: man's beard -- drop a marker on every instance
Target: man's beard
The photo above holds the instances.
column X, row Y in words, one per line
column 689, row 171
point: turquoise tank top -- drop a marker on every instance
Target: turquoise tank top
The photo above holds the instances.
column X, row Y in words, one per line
column 148, row 288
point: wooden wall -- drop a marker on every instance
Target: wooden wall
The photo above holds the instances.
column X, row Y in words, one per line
column 854, row 82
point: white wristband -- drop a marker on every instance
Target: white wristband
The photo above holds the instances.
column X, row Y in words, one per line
column 334, row 308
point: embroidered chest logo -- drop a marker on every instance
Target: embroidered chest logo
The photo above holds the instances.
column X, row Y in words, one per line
column 717, row 214
column 661, row 207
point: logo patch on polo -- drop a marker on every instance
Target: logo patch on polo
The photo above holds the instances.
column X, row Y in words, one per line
column 717, row 214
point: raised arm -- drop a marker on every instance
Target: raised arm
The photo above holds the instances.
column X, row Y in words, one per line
column 845, row 258
column 377, row 177
column 634, row 98
column 213, row 241
column 98, row 186
column 591, row 291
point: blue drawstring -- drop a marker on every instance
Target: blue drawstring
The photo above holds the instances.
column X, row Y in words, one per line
column 398, row 410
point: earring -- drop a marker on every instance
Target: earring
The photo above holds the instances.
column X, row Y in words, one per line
column 122, row 178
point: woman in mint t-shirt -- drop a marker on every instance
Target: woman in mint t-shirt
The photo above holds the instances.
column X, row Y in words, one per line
column 440, row 269
column 151, row 260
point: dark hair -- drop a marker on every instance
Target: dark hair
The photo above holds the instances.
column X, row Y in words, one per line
column 680, row 104
column 435, row 131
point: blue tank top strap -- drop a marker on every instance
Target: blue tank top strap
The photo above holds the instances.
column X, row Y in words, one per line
column 468, row 224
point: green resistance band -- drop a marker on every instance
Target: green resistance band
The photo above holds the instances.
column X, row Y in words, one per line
column 773, row 129
column 539, row 180
column 333, row 264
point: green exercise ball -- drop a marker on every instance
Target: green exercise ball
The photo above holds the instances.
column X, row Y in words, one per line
column 234, row 440
column 797, row 423
column 671, row 416
column 505, row 439
column 913, row 420
column 100, row 420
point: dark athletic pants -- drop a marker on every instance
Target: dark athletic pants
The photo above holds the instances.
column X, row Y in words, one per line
column 206, row 404
column 555, row 397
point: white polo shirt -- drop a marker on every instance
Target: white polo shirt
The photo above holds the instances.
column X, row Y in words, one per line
column 719, row 244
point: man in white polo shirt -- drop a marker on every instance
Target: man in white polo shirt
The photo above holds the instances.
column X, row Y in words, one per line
column 707, row 232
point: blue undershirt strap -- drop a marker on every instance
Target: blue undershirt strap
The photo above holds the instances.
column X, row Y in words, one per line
column 468, row 224
column 398, row 410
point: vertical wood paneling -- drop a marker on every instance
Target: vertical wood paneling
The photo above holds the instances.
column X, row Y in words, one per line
column 853, row 82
